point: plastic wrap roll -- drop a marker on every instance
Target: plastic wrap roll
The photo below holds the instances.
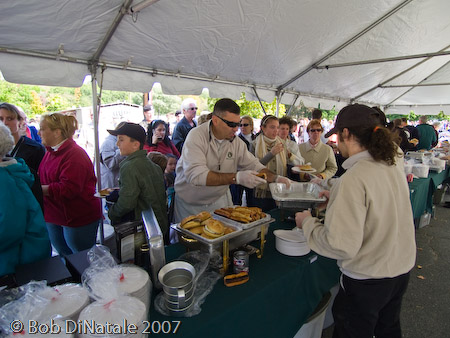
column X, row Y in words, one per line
column 121, row 317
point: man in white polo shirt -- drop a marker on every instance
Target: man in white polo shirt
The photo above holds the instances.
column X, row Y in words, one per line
column 212, row 159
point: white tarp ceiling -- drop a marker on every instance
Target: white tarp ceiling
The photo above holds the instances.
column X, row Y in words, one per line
column 235, row 45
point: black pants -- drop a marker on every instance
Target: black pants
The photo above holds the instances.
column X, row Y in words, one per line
column 367, row 308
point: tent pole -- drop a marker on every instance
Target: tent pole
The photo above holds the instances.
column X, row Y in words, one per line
column 292, row 104
column 392, row 101
column 278, row 100
column 345, row 44
column 398, row 58
column 95, row 105
column 259, row 100
column 398, row 75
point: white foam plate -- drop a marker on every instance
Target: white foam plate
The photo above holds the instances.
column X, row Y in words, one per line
column 291, row 242
column 298, row 170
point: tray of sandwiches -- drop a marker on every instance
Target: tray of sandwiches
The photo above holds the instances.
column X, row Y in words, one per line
column 205, row 228
column 243, row 217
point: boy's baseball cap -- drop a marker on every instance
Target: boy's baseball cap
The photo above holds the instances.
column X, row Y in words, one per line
column 129, row 129
column 355, row 115
column 148, row 107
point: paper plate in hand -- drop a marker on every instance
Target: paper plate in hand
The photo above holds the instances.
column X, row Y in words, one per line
column 298, row 170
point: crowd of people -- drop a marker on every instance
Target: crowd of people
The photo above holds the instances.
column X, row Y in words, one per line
column 213, row 163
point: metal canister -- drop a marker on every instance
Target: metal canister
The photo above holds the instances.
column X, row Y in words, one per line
column 240, row 261
column 145, row 257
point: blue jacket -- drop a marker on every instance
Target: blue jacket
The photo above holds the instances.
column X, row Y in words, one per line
column 180, row 133
column 23, row 233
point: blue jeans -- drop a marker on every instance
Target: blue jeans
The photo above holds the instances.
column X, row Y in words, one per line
column 68, row 240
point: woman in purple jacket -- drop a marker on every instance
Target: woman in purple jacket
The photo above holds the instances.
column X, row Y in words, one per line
column 72, row 213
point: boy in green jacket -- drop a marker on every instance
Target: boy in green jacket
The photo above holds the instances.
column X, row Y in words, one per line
column 141, row 181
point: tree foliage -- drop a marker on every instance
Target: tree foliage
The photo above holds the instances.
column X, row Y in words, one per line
column 253, row 108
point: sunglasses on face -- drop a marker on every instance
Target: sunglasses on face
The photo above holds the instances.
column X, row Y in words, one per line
column 192, row 108
column 244, row 125
column 229, row 123
column 315, row 130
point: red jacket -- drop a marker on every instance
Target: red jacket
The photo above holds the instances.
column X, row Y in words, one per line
column 163, row 148
column 70, row 175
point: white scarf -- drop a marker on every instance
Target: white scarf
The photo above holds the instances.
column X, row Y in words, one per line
column 263, row 146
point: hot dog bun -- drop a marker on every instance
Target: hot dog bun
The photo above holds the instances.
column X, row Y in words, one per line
column 237, row 279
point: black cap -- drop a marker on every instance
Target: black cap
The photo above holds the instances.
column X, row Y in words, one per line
column 353, row 116
column 132, row 130
column 148, row 107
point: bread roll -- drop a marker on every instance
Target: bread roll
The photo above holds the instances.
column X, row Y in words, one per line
column 203, row 216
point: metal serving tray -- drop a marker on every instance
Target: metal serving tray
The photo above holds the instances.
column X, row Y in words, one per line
column 297, row 196
column 267, row 219
column 420, row 155
column 235, row 239
column 220, row 239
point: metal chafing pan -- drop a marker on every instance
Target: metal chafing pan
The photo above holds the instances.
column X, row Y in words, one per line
column 235, row 239
column 243, row 226
column 298, row 196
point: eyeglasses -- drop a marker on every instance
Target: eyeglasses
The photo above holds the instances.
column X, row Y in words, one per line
column 192, row 108
column 244, row 125
column 229, row 123
column 317, row 130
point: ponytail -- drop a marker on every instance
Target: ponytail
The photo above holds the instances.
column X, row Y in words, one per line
column 379, row 141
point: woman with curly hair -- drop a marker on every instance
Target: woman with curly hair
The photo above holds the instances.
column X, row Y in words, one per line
column 368, row 227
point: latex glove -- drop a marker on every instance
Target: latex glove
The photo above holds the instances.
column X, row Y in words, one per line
column 248, row 179
column 285, row 180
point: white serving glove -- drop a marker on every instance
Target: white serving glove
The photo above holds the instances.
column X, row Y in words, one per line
column 248, row 179
column 285, row 180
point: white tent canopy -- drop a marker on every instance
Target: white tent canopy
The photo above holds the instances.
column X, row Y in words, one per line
column 391, row 53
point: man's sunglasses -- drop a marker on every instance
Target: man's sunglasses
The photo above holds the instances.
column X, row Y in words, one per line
column 192, row 108
column 229, row 123
column 313, row 130
column 244, row 125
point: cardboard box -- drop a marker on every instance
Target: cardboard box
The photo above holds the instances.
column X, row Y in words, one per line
column 129, row 238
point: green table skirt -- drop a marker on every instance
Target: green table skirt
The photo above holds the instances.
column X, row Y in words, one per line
column 422, row 189
column 281, row 294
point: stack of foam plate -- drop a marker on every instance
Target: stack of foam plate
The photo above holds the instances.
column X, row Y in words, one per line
column 136, row 282
column 63, row 301
column 131, row 280
column 122, row 317
column 291, row 242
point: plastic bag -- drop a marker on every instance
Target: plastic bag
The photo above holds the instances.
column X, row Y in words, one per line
column 106, row 281
column 207, row 268
column 24, row 308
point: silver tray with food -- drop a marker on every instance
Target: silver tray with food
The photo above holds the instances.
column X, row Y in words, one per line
column 206, row 228
column 244, row 217
column 235, row 239
column 298, row 196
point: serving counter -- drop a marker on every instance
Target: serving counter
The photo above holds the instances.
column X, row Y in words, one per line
column 281, row 294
